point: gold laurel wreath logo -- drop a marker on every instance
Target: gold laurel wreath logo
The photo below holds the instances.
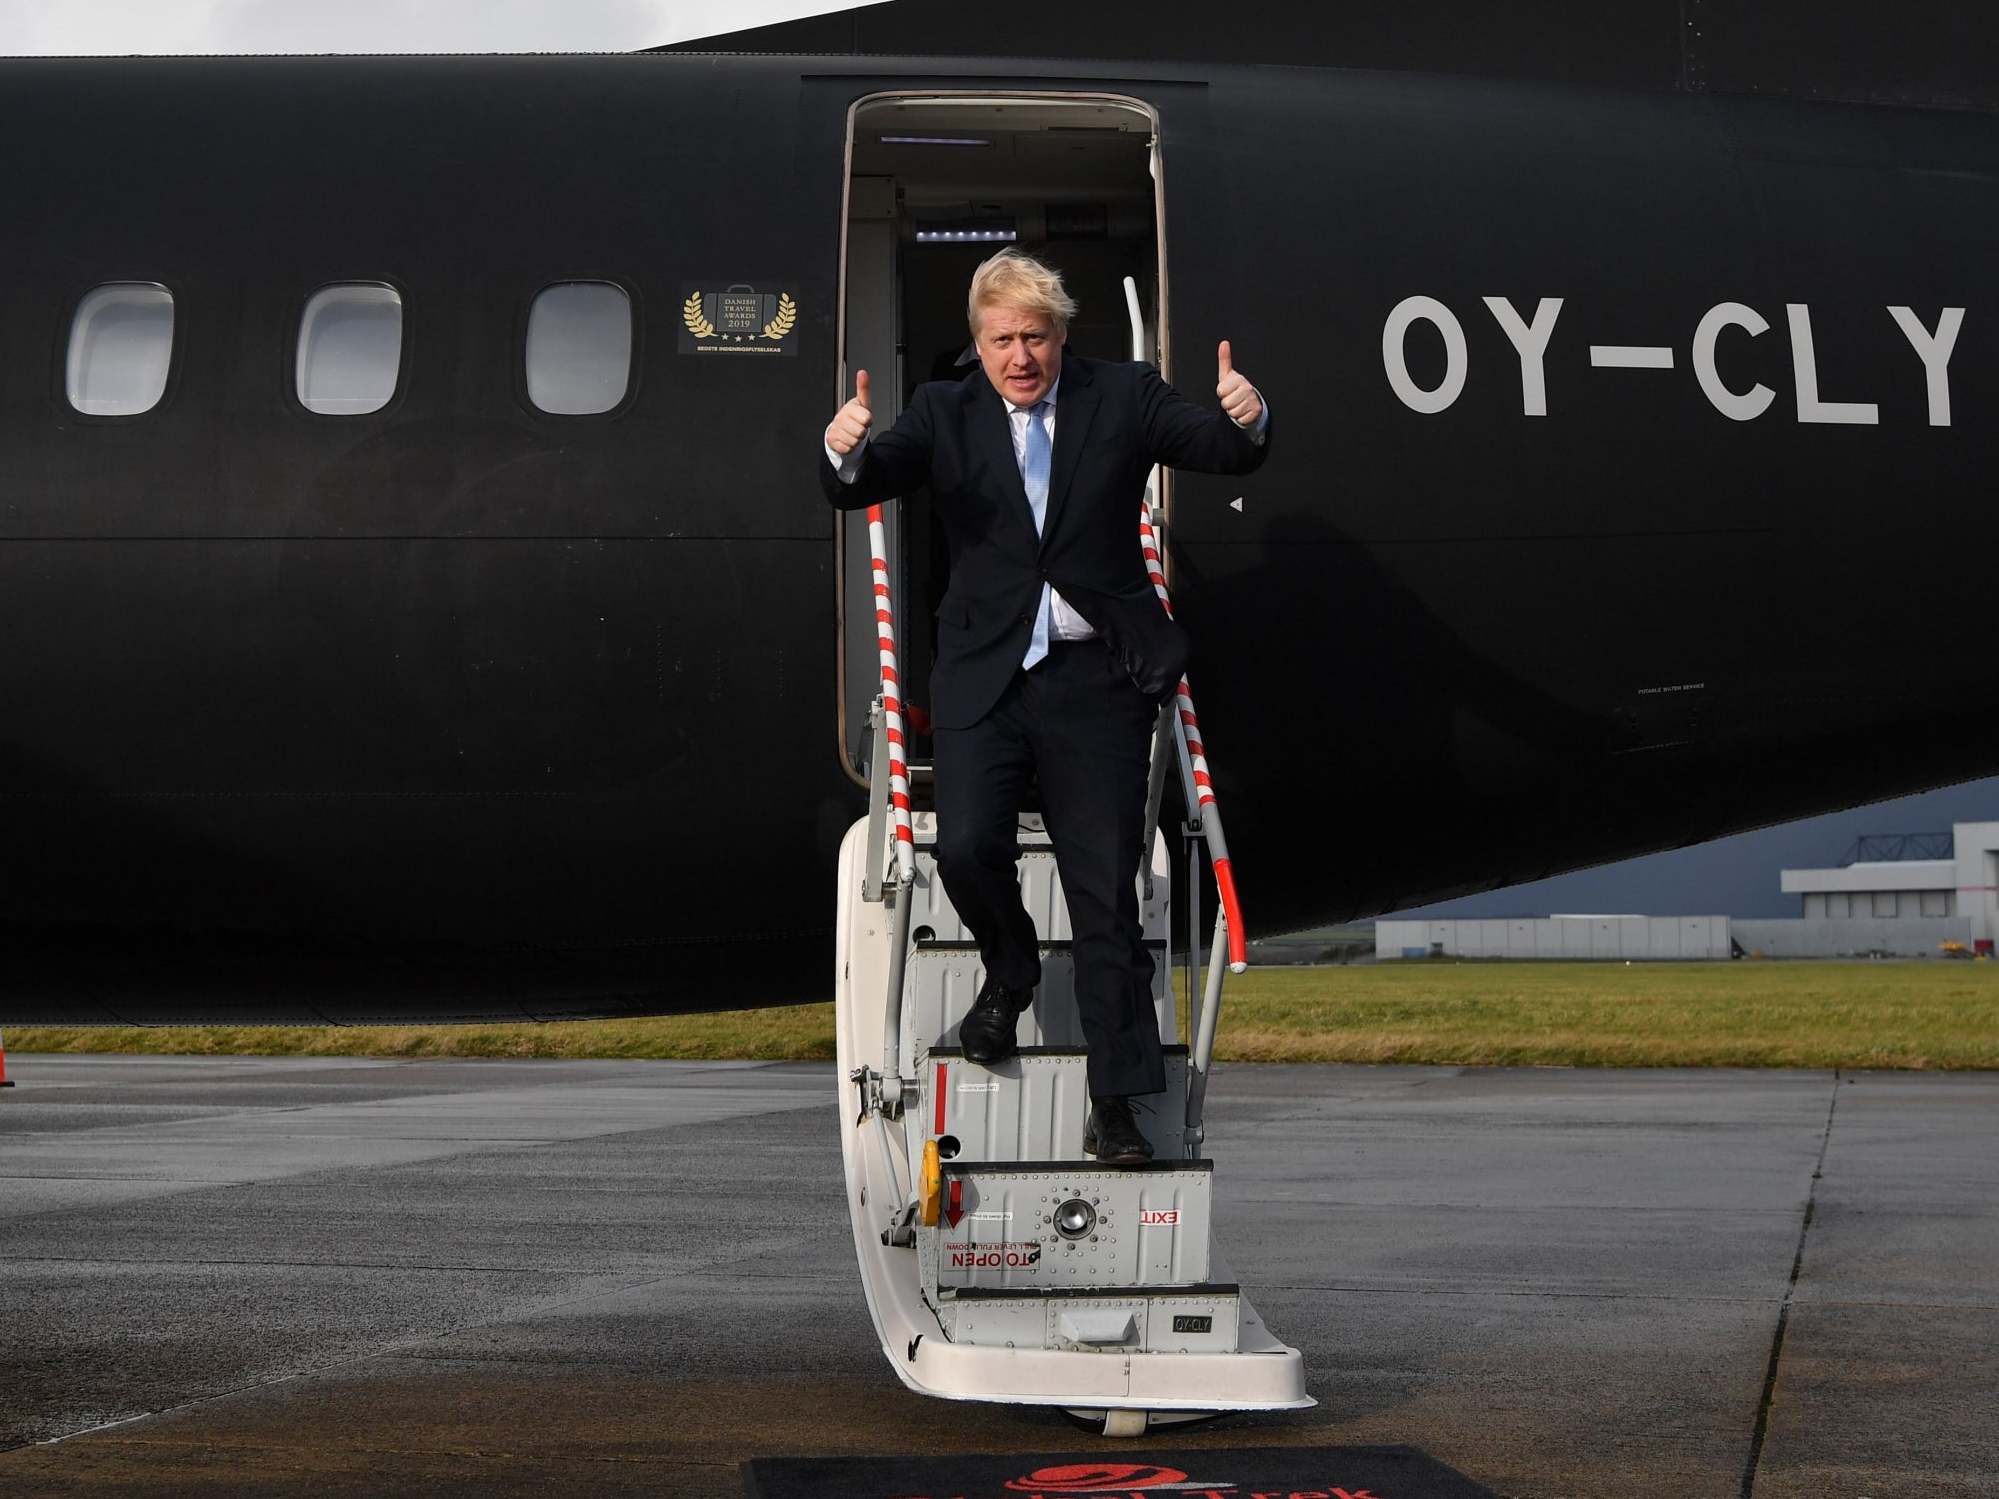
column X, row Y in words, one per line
column 787, row 314
column 690, row 314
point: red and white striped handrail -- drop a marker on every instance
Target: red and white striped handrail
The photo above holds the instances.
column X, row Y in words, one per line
column 898, row 744
column 1204, row 786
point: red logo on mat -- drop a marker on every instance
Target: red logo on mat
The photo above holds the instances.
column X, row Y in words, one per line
column 1096, row 1478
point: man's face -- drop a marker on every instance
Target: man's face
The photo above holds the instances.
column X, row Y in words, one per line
column 1021, row 352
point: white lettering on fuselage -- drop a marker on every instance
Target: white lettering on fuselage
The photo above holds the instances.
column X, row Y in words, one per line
column 1753, row 402
column 1530, row 342
column 1630, row 357
column 1805, row 370
column 1934, row 351
column 1457, row 361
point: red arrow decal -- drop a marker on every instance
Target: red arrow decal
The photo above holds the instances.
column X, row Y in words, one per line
column 956, row 1208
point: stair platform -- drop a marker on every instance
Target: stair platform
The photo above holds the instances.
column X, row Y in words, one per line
column 1113, row 1319
column 1077, row 1225
column 1032, row 1107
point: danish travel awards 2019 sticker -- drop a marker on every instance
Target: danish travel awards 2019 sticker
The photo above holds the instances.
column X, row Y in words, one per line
column 737, row 319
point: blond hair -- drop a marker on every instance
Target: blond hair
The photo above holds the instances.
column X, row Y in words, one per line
column 1014, row 279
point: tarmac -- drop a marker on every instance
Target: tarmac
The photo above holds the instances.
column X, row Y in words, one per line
column 339, row 1277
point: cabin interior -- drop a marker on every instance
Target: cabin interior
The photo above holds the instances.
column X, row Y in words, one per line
column 938, row 183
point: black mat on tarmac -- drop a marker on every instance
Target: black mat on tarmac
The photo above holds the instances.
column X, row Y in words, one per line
column 1224, row 1473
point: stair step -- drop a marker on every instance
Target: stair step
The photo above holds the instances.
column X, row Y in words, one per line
column 1054, row 1168
column 1073, row 1053
column 944, row 980
column 1040, row 888
column 918, row 942
column 1057, row 1293
column 1116, row 1319
column 1032, row 1107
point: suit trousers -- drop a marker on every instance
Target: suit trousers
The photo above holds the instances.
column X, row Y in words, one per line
column 1078, row 727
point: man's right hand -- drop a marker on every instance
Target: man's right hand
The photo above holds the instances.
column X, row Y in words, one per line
column 850, row 426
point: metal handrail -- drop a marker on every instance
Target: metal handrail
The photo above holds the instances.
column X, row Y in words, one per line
column 1202, row 808
column 1204, row 813
column 891, row 700
column 1198, row 783
column 1204, row 1037
column 894, row 749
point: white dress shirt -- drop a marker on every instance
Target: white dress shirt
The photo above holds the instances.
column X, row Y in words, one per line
column 1064, row 623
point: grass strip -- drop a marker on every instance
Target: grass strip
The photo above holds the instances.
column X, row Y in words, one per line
column 1928, row 1015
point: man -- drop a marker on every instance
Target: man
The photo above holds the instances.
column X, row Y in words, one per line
column 1053, row 653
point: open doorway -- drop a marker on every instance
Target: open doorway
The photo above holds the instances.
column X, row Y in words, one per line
column 937, row 183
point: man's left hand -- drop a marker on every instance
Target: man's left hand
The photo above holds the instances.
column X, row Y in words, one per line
column 1238, row 397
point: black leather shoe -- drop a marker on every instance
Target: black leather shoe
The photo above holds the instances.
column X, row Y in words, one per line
column 987, row 1034
column 1112, row 1135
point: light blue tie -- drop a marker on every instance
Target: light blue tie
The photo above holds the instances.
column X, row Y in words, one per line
column 1034, row 467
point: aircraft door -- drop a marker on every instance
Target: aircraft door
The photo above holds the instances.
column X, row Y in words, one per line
column 937, row 182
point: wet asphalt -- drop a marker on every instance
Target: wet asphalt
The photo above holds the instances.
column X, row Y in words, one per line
column 331, row 1277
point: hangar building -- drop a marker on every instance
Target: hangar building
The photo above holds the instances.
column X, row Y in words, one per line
column 1633, row 937
column 1904, row 895
column 1900, row 896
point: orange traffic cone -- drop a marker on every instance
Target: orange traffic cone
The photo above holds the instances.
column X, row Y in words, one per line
column 3, row 1063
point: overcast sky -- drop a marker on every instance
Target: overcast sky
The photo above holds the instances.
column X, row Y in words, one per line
column 72, row 27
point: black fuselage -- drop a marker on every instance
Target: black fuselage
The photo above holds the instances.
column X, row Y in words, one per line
column 461, row 708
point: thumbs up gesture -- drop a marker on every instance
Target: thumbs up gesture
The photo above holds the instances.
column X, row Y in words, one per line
column 1238, row 397
column 850, row 425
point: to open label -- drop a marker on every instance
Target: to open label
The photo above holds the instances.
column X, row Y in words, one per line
column 994, row 1256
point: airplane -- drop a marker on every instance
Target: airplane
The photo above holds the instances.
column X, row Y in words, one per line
column 1637, row 384
column 417, row 603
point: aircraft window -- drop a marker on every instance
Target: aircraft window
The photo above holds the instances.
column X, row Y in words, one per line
column 350, row 348
column 120, row 347
column 579, row 353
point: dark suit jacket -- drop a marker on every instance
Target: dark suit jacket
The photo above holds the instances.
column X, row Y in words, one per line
column 1113, row 422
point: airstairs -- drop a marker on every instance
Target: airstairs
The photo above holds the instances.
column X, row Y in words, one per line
column 1000, row 1262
